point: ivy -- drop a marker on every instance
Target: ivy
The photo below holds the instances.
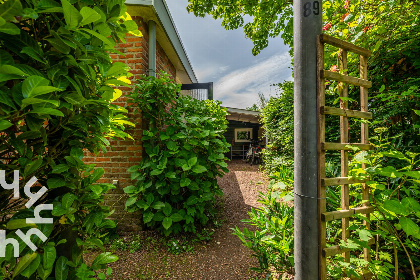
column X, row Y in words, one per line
column 176, row 182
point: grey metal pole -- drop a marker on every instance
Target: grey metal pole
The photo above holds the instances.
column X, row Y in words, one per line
column 152, row 48
column 307, row 24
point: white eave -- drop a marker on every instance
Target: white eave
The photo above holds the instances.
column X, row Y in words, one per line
column 158, row 11
column 243, row 115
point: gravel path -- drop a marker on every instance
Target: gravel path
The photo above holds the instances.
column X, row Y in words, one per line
column 222, row 258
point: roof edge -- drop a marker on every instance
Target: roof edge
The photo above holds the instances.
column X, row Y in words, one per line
column 168, row 24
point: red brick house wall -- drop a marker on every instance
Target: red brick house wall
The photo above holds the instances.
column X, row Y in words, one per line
column 124, row 153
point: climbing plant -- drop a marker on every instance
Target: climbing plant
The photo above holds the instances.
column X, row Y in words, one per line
column 56, row 89
column 176, row 182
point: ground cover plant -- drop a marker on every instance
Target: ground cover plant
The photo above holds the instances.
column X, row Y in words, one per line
column 56, row 89
column 176, row 182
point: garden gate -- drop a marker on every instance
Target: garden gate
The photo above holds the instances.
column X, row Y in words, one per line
column 323, row 182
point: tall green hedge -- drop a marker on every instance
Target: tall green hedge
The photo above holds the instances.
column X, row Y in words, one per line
column 56, row 79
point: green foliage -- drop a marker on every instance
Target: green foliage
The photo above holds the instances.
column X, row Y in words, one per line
column 272, row 241
column 394, row 179
column 277, row 119
column 269, row 18
column 56, row 80
column 184, row 153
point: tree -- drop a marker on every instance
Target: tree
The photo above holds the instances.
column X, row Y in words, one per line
column 270, row 18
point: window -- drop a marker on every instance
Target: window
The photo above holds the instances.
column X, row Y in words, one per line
column 243, row 134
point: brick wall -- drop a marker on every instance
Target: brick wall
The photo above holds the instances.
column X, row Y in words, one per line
column 124, row 153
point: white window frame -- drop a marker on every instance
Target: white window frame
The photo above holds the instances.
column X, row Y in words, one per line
column 240, row 130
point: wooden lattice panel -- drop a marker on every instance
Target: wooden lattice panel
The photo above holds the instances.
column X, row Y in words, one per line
column 344, row 113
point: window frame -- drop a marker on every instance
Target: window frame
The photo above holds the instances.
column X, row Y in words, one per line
column 247, row 129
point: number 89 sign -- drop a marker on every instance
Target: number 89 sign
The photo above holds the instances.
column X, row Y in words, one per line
column 311, row 7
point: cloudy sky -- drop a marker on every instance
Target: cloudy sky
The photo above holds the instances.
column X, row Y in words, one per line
column 224, row 57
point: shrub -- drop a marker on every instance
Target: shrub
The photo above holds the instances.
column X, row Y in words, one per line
column 56, row 81
column 176, row 182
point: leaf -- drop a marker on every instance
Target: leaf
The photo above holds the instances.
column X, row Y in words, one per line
column 117, row 69
column 9, row 69
column 10, row 28
column 61, row 268
column 388, row 171
column 192, row 161
column 23, row 263
column 147, row 217
column 167, row 210
column 53, row 183
column 395, row 207
column 31, row 101
column 5, row 124
column 89, row 15
column 10, row 9
column 167, row 222
column 172, row 145
column 18, row 223
column 67, row 200
column 43, row 90
column 104, row 39
column 71, row 15
column 104, row 258
column 409, row 227
column 60, row 168
column 185, row 182
column 411, row 204
column 47, row 111
column 49, row 256
column 59, row 45
column 365, row 235
column 192, row 200
column 32, row 267
column 31, row 83
column 176, row 217
column 29, row 13
column 158, row 205
column 130, row 201
column 199, row 169
column 6, row 58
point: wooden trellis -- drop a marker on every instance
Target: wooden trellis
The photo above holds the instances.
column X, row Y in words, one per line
column 345, row 213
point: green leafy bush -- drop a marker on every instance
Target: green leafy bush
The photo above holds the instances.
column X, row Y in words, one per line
column 184, row 148
column 277, row 119
column 272, row 241
column 56, row 79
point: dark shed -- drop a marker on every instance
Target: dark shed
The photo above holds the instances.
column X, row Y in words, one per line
column 243, row 124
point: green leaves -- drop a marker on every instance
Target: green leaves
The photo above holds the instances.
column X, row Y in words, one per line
column 410, row 227
column 10, row 9
column 71, row 15
column 176, row 173
column 89, row 15
column 5, row 124
column 102, row 259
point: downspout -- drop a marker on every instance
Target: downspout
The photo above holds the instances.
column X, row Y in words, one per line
column 152, row 48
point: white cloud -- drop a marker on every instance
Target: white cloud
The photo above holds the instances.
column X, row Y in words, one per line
column 239, row 89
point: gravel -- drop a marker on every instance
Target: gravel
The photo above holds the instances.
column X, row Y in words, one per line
column 223, row 257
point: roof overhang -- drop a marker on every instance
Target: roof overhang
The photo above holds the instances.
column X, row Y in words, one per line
column 243, row 115
column 167, row 35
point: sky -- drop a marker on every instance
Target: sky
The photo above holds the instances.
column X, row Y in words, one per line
column 225, row 58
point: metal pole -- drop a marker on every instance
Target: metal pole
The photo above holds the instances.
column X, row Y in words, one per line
column 307, row 23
